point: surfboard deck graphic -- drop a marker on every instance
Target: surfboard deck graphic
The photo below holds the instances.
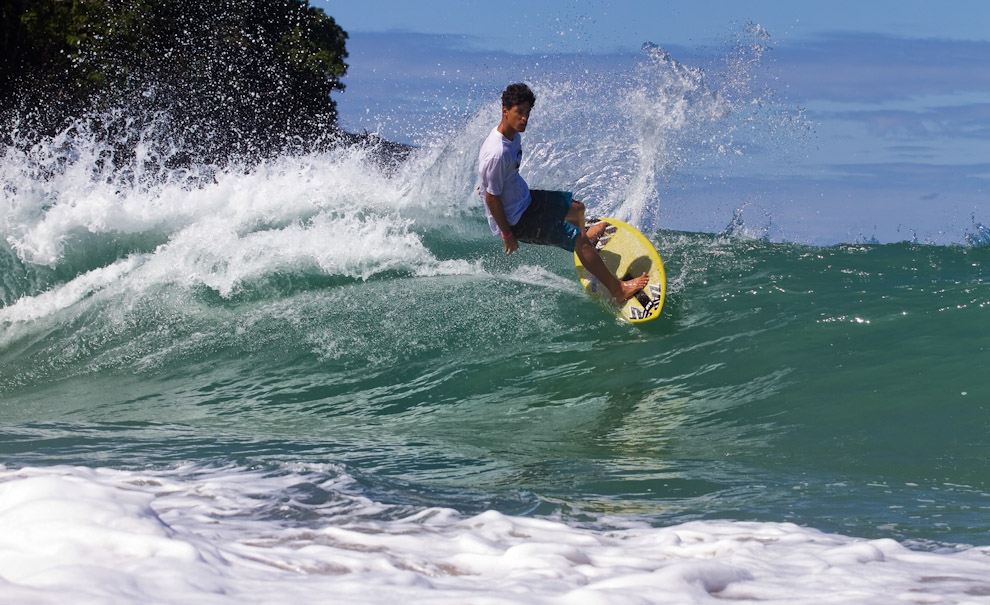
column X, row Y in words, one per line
column 627, row 254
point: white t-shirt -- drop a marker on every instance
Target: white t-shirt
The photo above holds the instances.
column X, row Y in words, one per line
column 498, row 169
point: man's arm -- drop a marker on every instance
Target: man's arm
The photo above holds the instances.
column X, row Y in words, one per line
column 494, row 203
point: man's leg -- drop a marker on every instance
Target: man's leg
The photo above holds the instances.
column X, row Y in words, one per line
column 576, row 217
column 584, row 246
column 584, row 241
column 621, row 291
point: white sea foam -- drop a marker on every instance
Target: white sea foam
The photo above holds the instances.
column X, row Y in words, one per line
column 332, row 213
column 72, row 534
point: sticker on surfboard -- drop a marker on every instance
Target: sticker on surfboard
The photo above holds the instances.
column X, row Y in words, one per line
column 627, row 254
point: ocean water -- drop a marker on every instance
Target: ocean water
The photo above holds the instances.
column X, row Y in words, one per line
column 319, row 380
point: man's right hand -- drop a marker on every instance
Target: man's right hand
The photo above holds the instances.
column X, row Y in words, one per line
column 511, row 244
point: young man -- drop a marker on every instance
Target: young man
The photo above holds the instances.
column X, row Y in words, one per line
column 519, row 214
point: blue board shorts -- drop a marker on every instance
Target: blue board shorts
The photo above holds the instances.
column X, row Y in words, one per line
column 543, row 221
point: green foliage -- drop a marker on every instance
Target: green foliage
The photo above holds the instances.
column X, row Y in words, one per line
column 228, row 77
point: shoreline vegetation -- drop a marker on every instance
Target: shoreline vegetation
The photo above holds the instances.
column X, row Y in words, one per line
column 215, row 82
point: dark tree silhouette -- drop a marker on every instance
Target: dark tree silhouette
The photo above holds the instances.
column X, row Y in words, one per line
column 220, row 79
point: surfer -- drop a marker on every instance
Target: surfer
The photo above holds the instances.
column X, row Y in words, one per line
column 550, row 218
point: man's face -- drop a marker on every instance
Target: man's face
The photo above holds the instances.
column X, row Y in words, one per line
column 517, row 116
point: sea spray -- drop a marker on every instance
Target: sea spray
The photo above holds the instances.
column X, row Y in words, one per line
column 623, row 136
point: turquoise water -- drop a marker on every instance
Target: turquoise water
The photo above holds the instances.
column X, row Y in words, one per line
column 840, row 388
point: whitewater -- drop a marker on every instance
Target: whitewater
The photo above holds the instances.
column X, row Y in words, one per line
column 317, row 379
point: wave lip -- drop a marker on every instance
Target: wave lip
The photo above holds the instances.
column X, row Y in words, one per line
column 31, row 308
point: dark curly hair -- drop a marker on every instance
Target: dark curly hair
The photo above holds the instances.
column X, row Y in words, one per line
column 517, row 94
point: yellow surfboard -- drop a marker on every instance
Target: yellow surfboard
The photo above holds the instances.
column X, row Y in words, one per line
column 628, row 254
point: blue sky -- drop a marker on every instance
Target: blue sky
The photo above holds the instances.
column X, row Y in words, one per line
column 894, row 98
column 603, row 26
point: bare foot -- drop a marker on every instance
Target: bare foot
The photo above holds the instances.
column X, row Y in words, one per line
column 630, row 287
column 599, row 233
column 595, row 230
